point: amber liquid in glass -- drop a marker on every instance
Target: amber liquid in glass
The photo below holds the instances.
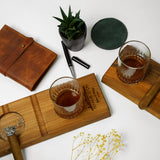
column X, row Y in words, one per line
column 135, row 62
column 67, row 98
column 71, row 102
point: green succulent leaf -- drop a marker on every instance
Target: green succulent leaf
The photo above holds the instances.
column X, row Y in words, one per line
column 73, row 34
column 63, row 14
column 74, row 21
column 77, row 14
column 80, row 24
column 59, row 19
column 72, row 29
column 69, row 13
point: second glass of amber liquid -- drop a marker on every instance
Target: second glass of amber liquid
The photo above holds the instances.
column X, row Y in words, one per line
column 67, row 97
column 133, row 62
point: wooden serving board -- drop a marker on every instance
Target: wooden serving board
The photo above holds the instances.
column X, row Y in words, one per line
column 135, row 92
column 41, row 121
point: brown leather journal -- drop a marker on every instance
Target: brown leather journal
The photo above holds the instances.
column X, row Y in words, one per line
column 23, row 59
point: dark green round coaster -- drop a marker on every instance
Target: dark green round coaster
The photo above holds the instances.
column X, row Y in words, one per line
column 109, row 33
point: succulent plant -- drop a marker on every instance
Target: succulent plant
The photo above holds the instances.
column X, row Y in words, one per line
column 71, row 26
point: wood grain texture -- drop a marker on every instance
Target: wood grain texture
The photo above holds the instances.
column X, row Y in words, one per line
column 14, row 144
column 41, row 121
column 147, row 99
column 135, row 92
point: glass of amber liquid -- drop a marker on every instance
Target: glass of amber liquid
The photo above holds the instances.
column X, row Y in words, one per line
column 67, row 97
column 133, row 61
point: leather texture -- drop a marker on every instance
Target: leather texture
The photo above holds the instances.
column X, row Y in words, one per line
column 23, row 59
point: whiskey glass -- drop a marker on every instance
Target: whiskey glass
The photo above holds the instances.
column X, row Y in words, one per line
column 66, row 94
column 133, row 61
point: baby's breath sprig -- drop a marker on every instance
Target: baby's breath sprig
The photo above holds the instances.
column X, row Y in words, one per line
column 99, row 147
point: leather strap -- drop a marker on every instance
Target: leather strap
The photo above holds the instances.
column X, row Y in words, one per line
column 15, row 55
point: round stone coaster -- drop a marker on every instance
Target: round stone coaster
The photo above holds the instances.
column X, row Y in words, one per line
column 109, row 33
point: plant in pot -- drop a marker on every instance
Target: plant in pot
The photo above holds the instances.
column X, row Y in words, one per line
column 72, row 30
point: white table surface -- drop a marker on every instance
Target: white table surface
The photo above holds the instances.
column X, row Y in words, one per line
column 141, row 130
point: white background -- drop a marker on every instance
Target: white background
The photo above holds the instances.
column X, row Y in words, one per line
column 33, row 18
